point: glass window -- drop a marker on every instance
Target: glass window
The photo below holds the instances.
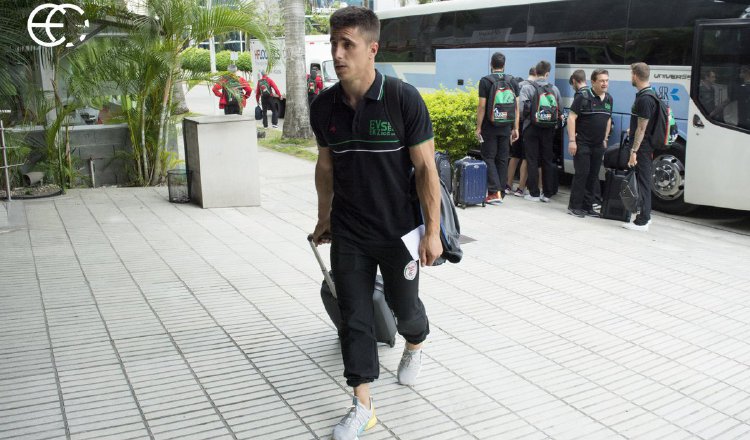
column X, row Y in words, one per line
column 494, row 27
column 661, row 33
column 723, row 90
column 584, row 31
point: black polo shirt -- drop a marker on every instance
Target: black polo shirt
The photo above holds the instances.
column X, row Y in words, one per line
column 372, row 201
column 644, row 107
column 485, row 87
column 594, row 115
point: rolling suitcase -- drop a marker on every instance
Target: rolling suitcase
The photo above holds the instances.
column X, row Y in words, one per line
column 385, row 321
column 443, row 163
column 612, row 206
column 469, row 182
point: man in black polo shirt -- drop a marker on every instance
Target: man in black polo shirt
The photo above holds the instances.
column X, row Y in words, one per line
column 364, row 203
column 589, row 123
column 642, row 119
column 496, row 133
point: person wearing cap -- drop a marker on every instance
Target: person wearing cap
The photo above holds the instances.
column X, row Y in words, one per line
column 267, row 95
column 232, row 91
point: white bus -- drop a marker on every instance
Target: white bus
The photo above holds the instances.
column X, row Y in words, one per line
column 682, row 40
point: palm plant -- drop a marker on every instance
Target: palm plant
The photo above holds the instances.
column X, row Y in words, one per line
column 147, row 66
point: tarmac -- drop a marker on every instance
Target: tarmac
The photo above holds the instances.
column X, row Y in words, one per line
column 124, row 316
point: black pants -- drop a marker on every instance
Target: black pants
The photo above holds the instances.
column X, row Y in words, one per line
column 354, row 268
column 267, row 102
column 232, row 108
column 495, row 150
column 310, row 98
column 587, row 162
column 537, row 144
column 644, row 171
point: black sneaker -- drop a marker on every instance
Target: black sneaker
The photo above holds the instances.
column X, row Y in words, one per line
column 577, row 212
column 591, row 212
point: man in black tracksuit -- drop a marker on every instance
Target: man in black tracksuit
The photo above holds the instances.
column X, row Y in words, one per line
column 589, row 124
column 538, row 140
column 496, row 139
column 642, row 119
column 363, row 181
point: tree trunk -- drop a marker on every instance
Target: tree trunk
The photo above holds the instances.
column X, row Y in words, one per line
column 143, row 143
column 178, row 95
column 297, row 118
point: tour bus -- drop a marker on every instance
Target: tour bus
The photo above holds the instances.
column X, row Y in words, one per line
column 692, row 46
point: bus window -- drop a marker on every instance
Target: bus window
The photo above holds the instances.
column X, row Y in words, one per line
column 584, row 31
column 724, row 66
column 661, row 33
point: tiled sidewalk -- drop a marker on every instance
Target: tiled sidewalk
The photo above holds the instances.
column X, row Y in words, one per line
column 124, row 316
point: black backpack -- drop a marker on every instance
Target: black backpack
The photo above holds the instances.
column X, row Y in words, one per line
column 450, row 229
column 588, row 100
column 665, row 130
column 501, row 101
column 545, row 110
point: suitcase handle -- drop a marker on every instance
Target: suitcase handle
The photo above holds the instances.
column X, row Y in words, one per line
column 326, row 275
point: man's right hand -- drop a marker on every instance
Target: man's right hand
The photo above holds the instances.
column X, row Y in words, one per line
column 572, row 148
column 478, row 132
column 322, row 233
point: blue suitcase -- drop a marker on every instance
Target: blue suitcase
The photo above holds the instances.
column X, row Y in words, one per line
column 469, row 182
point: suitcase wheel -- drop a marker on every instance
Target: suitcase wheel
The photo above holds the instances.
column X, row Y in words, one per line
column 483, row 204
column 392, row 343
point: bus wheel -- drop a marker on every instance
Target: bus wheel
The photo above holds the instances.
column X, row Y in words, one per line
column 668, row 192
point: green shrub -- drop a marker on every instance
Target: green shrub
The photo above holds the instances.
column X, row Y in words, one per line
column 245, row 62
column 454, row 120
column 222, row 60
column 196, row 59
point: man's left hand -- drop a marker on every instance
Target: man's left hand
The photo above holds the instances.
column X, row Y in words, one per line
column 513, row 135
column 430, row 248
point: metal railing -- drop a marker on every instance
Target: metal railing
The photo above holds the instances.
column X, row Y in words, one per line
column 5, row 166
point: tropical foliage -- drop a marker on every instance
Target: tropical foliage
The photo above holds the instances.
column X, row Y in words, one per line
column 137, row 73
column 159, row 37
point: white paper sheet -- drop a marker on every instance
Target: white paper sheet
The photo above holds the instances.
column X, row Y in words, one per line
column 412, row 239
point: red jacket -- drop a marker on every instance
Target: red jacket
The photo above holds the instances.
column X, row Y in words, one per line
column 318, row 84
column 275, row 90
column 218, row 90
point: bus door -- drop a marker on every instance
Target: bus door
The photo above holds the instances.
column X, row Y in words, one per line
column 717, row 156
column 462, row 68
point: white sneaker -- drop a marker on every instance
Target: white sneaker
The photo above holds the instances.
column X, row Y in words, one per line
column 409, row 367
column 358, row 420
column 530, row 198
column 274, row 126
column 635, row 227
column 544, row 198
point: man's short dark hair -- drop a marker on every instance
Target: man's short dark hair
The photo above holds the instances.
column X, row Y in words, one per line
column 543, row 68
column 641, row 71
column 532, row 71
column 356, row 17
column 498, row 60
column 707, row 73
column 595, row 74
column 578, row 76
